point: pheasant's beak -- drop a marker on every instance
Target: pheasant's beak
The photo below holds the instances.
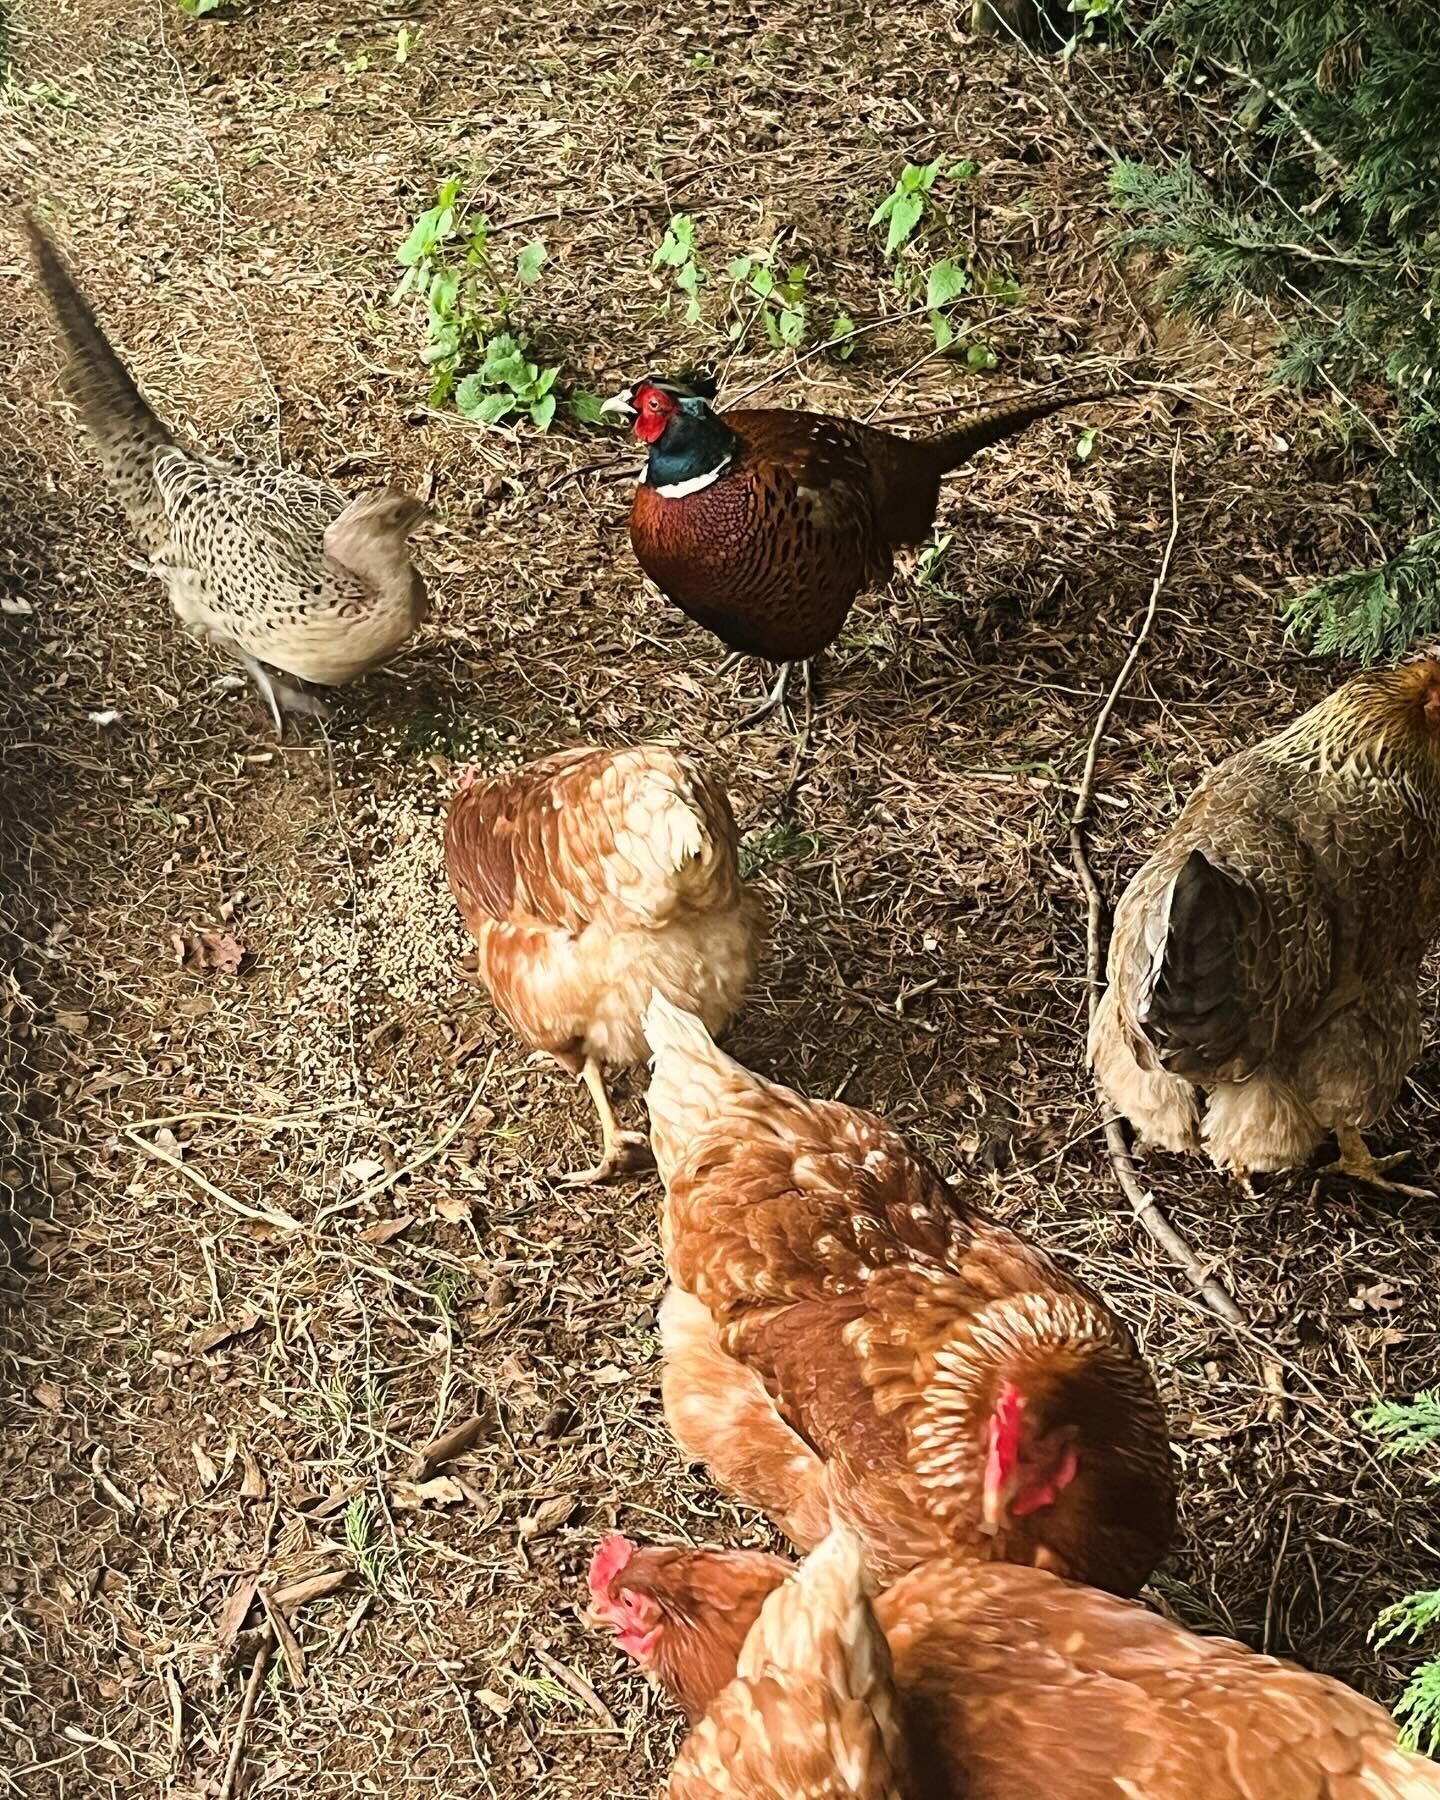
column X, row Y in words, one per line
column 620, row 404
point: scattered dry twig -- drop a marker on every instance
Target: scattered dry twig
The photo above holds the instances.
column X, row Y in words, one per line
column 1146, row 1207
column 247, row 1709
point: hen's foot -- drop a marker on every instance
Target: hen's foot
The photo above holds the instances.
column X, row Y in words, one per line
column 1359, row 1162
column 629, row 1154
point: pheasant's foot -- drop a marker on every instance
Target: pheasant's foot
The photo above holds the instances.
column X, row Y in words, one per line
column 1241, row 1178
column 1360, row 1163
column 280, row 694
column 775, row 699
column 627, row 1155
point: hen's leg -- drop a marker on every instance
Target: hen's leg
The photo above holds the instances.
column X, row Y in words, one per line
column 1359, row 1162
column 622, row 1151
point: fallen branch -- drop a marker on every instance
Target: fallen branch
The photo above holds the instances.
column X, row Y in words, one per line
column 1143, row 1203
column 247, row 1708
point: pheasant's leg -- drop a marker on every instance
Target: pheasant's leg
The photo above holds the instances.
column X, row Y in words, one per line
column 280, row 695
column 266, row 687
column 774, row 699
column 623, row 1151
column 1358, row 1162
column 727, row 663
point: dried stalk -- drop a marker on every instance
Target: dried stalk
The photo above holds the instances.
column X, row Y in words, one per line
column 1143, row 1203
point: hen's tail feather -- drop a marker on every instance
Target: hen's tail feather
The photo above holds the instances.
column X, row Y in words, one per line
column 1194, row 1014
column 126, row 430
column 692, row 1080
column 952, row 448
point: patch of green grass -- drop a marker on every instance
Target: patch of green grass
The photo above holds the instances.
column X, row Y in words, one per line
column 780, row 842
column 544, row 1691
column 374, row 1562
column 461, row 737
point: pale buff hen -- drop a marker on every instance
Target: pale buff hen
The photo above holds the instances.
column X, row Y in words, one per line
column 1264, row 964
column 297, row 583
column 811, row 1713
column 1014, row 1684
column 845, row 1342
column 589, row 879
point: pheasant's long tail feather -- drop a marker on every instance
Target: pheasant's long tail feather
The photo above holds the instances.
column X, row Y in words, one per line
column 126, row 431
column 952, row 448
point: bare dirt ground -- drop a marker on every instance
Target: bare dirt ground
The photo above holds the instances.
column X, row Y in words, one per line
column 276, row 1229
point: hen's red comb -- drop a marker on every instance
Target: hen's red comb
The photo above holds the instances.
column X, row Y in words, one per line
column 611, row 1555
column 1007, row 1425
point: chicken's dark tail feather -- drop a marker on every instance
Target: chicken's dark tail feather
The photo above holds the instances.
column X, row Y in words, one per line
column 1195, row 1016
column 125, row 429
column 952, row 448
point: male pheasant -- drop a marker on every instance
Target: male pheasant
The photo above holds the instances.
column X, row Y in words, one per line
column 763, row 526
column 281, row 571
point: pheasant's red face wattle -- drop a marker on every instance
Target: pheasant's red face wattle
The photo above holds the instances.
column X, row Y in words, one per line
column 654, row 409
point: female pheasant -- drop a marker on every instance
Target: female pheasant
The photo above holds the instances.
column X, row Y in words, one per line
column 282, row 571
column 763, row 526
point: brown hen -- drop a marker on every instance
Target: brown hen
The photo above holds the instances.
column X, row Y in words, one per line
column 1015, row 1684
column 1263, row 969
column 845, row 1342
column 588, row 879
column 811, row 1713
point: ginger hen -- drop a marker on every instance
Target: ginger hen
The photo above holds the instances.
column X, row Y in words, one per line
column 845, row 1342
column 1015, row 1684
column 809, row 1710
column 1263, row 968
column 296, row 582
column 588, row 879
column 764, row 525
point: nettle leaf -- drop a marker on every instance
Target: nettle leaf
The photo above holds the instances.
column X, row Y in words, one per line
column 492, row 408
column 947, row 282
column 904, row 217
column 943, row 329
column 739, row 269
column 542, row 412
column 763, row 282
column 585, row 407
column 547, row 380
column 427, row 231
column 469, row 394
column 530, row 262
column 981, row 356
column 963, row 171
column 792, row 328
column 883, row 211
column 1085, row 444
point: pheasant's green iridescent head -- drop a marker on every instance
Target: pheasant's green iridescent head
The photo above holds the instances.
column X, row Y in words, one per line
column 690, row 443
column 653, row 401
column 1383, row 723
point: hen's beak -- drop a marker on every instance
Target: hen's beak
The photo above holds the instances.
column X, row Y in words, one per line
column 998, row 1492
column 620, row 405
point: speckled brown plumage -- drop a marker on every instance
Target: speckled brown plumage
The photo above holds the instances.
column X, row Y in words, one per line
column 840, row 1328
column 590, row 878
column 807, row 512
column 1264, row 964
column 1014, row 1684
column 282, row 571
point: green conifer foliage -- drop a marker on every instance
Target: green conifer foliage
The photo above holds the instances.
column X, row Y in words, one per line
column 1324, row 205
